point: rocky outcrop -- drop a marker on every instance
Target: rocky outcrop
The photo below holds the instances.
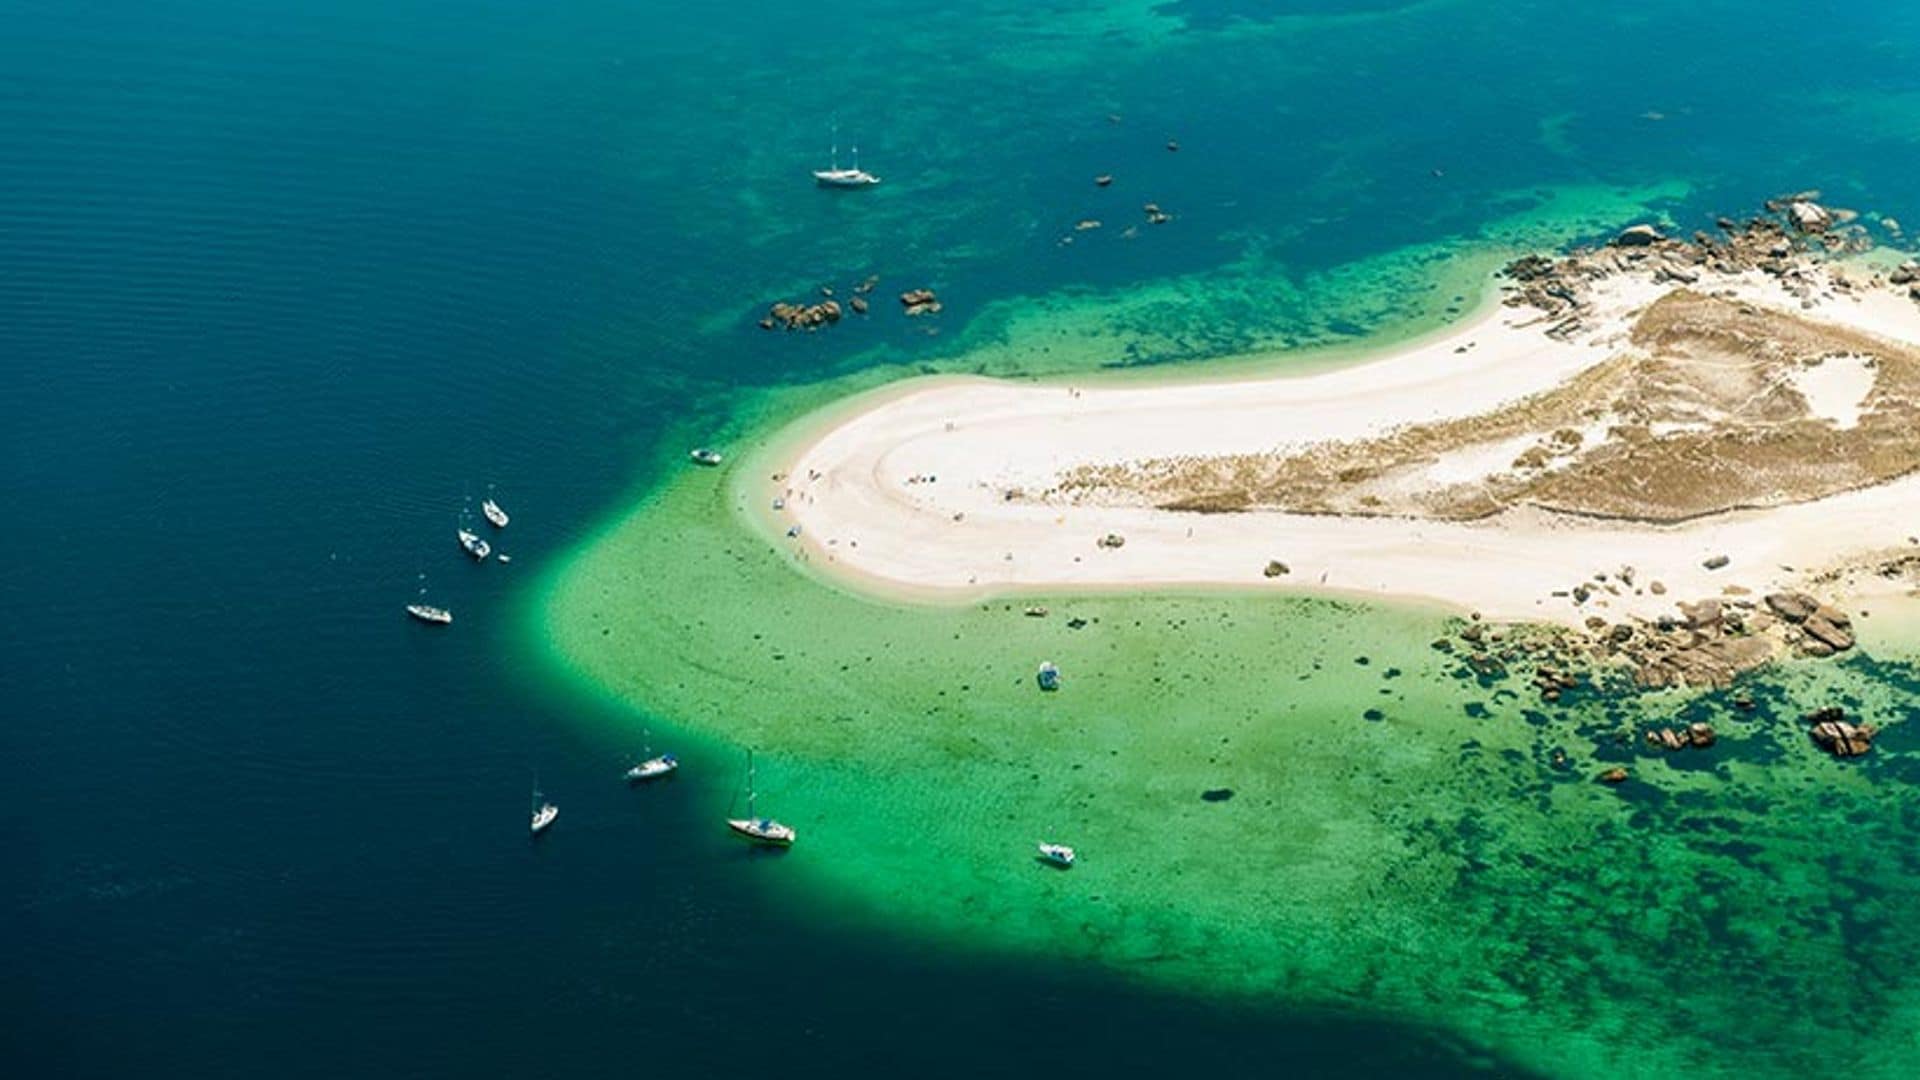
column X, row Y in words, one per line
column 1710, row 644
column 920, row 302
column 1794, row 607
column 1276, row 568
column 1808, row 216
column 1838, row 736
column 791, row 316
column 1830, row 627
column 1697, row 736
column 1820, row 629
column 1638, row 236
column 1777, row 244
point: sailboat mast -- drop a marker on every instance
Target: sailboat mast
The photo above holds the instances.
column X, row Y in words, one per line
column 751, row 815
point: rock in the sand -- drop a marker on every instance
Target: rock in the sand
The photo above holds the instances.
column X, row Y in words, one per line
column 1704, row 615
column 1275, row 568
column 1113, row 540
column 1638, row 236
column 1830, row 627
column 1903, row 274
column 1716, row 562
column 1792, row 606
column 1839, row 737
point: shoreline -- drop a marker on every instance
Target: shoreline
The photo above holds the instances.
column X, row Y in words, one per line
column 921, row 493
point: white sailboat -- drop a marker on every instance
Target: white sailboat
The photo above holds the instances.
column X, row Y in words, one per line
column 543, row 811
column 836, row 177
column 756, row 828
column 652, row 768
column 471, row 543
column 426, row 612
column 495, row 516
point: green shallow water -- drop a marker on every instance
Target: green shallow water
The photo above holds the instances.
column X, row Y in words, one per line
column 1400, row 841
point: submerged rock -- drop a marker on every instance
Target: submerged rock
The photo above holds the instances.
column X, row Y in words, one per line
column 1839, row 737
column 1219, row 794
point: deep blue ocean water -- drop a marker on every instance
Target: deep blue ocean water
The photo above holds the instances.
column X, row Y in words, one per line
column 282, row 285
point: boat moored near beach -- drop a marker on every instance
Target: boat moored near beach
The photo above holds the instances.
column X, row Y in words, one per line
column 756, row 828
column 652, row 768
column 704, row 456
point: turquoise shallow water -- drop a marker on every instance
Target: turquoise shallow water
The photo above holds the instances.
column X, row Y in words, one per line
column 280, row 283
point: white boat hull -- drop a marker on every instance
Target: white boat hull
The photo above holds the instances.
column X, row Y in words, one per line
column 763, row 832
column 544, row 818
column 652, row 770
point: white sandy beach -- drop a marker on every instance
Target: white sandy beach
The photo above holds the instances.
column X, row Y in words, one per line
column 910, row 496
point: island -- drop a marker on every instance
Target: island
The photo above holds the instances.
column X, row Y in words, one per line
column 1651, row 435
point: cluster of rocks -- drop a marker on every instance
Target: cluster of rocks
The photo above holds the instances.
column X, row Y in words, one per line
column 1817, row 629
column 1706, row 645
column 1112, row 541
column 1275, row 568
column 1839, row 737
column 920, row 302
column 1779, row 244
column 790, row 316
column 1698, row 736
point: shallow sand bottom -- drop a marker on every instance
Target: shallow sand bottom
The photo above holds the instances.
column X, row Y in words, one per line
column 1430, row 863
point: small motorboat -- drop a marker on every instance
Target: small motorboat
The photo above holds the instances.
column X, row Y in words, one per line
column 1049, row 676
column 471, row 543
column 705, row 456
column 427, row 613
column 1057, row 855
column 504, row 557
column 494, row 515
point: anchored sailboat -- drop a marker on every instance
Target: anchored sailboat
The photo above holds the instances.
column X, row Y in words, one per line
column 426, row 612
column 756, row 828
column 836, row 177
column 543, row 811
column 652, row 768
